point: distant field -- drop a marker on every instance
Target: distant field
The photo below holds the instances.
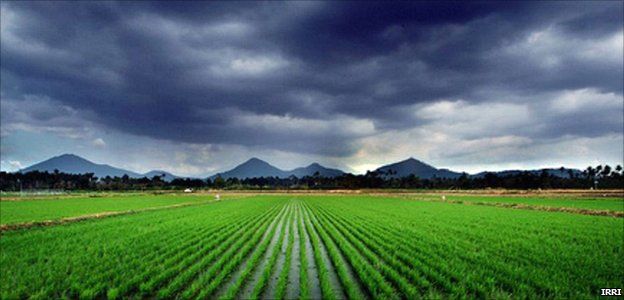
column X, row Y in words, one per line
column 312, row 246
column 52, row 208
column 594, row 203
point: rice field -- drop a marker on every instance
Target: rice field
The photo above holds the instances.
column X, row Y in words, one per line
column 293, row 246
column 20, row 210
column 592, row 203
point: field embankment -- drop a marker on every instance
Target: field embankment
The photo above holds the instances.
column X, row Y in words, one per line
column 53, row 209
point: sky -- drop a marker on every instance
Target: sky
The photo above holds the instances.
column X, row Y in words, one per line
column 195, row 87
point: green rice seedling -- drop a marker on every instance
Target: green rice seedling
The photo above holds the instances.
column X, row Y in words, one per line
column 183, row 273
column 251, row 265
column 304, row 289
column 375, row 283
column 270, row 266
column 374, row 260
column 326, row 289
column 375, row 247
column 174, row 254
column 214, row 277
column 280, row 289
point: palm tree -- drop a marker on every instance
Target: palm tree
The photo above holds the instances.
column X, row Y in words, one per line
column 606, row 171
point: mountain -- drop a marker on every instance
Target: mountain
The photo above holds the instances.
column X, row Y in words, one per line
column 254, row 167
column 258, row 168
column 70, row 163
column 74, row 164
column 168, row 176
column 313, row 169
column 416, row 167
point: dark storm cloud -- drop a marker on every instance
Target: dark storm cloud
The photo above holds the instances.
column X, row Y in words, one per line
column 303, row 76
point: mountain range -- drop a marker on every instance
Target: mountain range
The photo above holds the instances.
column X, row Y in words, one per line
column 74, row 164
column 258, row 168
column 255, row 167
column 416, row 167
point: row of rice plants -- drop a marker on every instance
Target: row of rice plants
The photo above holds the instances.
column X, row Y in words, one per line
column 213, row 277
column 254, row 261
column 269, row 269
column 280, row 289
column 62, row 244
column 304, row 288
column 439, row 237
column 97, row 258
column 388, row 267
column 371, row 278
column 174, row 279
column 168, row 259
column 349, row 281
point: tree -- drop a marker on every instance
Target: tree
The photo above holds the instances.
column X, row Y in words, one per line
column 598, row 170
column 219, row 182
column 571, row 174
column 606, row 171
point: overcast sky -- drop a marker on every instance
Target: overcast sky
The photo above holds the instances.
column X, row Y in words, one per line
column 195, row 88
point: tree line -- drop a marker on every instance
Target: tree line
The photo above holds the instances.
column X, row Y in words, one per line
column 600, row 177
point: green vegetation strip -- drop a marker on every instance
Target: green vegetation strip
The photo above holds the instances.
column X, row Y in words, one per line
column 280, row 292
column 252, row 263
column 304, row 288
column 59, row 262
column 338, row 248
column 486, row 252
column 323, row 275
column 270, row 267
column 44, row 211
column 606, row 206
column 213, row 278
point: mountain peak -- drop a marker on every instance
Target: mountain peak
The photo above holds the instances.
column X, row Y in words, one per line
column 74, row 164
column 411, row 160
column 69, row 156
column 313, row 168
column 253, row 167
column 255, row 160
column 416, row 167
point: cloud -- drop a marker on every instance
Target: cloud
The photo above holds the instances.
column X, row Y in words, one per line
column 585, row 100
column 36, row 113
column 11, row 165
column 99, row 142
column 330, row 80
